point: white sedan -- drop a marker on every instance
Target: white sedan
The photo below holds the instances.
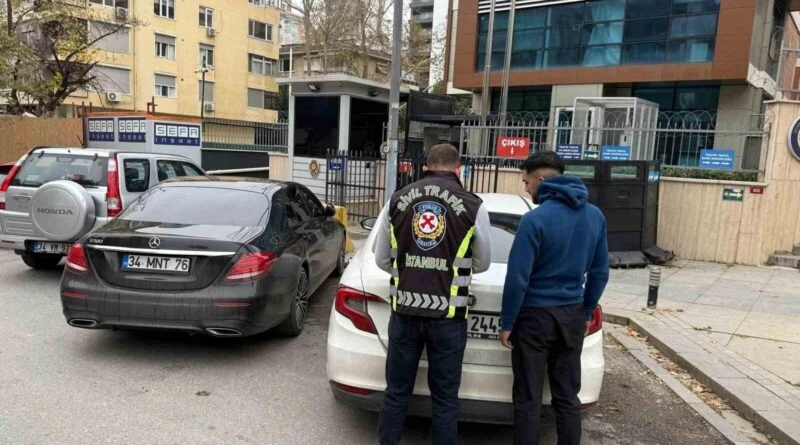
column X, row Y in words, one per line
column 359, row 325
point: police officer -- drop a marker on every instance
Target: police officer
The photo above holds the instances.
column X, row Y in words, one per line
column 433, row 236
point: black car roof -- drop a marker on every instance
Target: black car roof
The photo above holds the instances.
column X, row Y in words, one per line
column 228, row 182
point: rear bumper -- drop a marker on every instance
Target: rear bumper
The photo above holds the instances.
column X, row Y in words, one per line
column 18, row 242
column 477, row 411
column 242, row 309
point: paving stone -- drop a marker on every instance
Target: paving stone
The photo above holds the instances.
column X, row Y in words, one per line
column 713, row 297
column 786, row 421
column 753, row 395
column 719, row 319
column 781, row 327
column 711, row 366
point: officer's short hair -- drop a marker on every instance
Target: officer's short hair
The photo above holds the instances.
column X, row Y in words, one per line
column 443, row 155
column 543, row 159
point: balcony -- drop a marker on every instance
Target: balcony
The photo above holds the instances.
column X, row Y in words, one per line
column 425, row 17
column 421, row 3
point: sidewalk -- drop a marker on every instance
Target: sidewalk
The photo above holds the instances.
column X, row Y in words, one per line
column 736, row 328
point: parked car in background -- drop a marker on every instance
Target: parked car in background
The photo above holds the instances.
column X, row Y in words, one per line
column 359, row 329
column 53, row 196
column 219, row 256
column 4, row 170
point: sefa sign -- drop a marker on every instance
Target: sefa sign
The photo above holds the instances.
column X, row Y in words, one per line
column 513, row 147
column 794, row 138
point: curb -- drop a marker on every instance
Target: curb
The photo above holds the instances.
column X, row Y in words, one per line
column 756, row 403
column 639, row 352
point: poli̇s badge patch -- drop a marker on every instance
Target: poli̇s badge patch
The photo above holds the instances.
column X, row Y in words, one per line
column 428, row 224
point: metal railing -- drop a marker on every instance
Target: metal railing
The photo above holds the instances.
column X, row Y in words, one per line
column 223, row 134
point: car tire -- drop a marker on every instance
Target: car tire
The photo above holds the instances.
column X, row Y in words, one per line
column 293, row 325
column 41, row 261
column 340, row 263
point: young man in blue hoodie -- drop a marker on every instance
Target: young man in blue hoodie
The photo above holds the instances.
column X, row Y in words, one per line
column 557, row 271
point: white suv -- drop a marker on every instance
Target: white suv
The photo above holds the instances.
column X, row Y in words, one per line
column 53, row 196
column 359, row 327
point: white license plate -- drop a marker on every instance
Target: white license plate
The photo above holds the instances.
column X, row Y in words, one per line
column 59, row 248
column 483, row 326
column 155, row 263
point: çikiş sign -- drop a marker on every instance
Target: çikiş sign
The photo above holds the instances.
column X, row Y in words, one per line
column 513, row 147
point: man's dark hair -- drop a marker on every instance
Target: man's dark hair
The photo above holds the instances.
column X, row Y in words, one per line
column 443, row 156
column 544, row 159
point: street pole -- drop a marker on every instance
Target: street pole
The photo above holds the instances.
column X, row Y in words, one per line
column 485, row 92
column 394, row 101
column 507, row 63
column 202, row 93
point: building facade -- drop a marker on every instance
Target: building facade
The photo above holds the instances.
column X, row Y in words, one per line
column 160, row 61
column 293, row 61
column 719, row 59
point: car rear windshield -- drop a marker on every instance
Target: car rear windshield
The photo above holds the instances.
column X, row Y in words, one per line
column 199, row 205
column 41, row 168
column 503, row 231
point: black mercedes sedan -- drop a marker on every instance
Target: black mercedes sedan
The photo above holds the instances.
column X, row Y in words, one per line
column 220, row 256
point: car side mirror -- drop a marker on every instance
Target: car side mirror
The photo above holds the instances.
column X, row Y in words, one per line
column 330, row 210
column 369, row 223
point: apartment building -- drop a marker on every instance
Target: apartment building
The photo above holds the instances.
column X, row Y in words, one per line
column 719, row 59
column 236, row 43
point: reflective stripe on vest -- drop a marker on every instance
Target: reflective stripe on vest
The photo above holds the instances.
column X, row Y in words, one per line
column 422, row 301
column 461, row 281
column 395, row 274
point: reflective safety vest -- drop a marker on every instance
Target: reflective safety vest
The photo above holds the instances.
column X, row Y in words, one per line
column 432, row 224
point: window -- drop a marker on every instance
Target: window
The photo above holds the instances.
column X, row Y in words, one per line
column 206, row 17
column 112, row 79
column 179, row 205
column 266, row 100
column 189, row 169
column 286, row 66
column 39, row 170
column 111, row 37
column 603, row 33
column 205, row 94
column 165, row 46
column 261, row 65
column 503, row 230
column 164, row 8
column 206, row 55
column 137, row 175
column 112, row 3
column 260, row 30
column 166, row 86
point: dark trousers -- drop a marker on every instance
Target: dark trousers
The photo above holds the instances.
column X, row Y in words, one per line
column 445, row 341
column 547, row 341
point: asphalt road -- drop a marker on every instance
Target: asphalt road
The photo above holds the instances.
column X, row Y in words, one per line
column 60, row 384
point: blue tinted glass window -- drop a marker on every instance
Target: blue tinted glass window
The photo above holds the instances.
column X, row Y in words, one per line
column 700, row 98
column 530, row 18
column 691, row 50
column 527, row 40
column 564, row 36
column 556, row 58
column 638, row 9
column 566, row 14
column 602, row 33
column 694, row 6
column 662, row 96
column 526, row 59
column 646, row 30
column 600, row 56
column 691, row 26
column 605, row 10
column 641, row 53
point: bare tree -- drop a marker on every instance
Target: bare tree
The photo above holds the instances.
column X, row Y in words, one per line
column 423, row 49
column 48, row 52
column 306, row 9
column 331, row 22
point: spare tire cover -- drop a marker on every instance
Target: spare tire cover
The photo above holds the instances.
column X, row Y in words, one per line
column 62, row 210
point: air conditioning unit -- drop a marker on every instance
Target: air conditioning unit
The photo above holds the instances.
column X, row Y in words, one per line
column 113, row 97
column 211, row 32
column 121, row 13
column 209, row 107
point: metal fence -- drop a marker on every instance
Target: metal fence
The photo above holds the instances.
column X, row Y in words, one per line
column 677, row 139
column 224, row 134
column 356, row 180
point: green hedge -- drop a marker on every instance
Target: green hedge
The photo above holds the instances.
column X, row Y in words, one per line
column 720, row 175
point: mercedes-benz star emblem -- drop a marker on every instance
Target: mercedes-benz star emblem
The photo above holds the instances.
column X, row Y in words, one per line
column 154, row 242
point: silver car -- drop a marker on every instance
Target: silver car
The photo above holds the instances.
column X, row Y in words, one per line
column 53, row 196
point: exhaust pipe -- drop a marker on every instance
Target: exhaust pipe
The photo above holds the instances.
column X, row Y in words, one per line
column 224, row 332
column 83, row 323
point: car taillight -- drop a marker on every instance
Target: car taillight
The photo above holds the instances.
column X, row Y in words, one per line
column 597, row 321
column 353, row 304
column 251, row 267
column 7, row 181
column 76, row 260
column 113, row 198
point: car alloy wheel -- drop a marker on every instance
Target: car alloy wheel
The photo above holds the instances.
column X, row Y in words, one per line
column 301, row 299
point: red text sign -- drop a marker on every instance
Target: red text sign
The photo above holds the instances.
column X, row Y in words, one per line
column 513, row 147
